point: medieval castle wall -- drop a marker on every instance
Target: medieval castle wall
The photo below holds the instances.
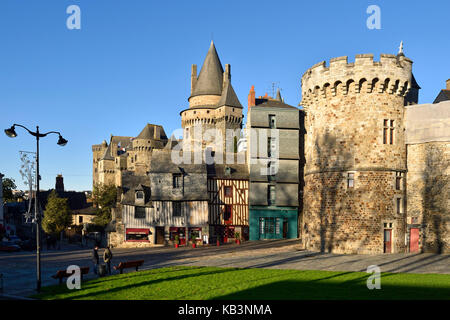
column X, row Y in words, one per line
column 428, row 177
column 352, row 110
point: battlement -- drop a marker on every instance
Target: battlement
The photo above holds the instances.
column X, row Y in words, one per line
column 391, row 74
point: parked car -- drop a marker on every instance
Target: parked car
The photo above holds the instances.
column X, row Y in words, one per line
column 9, row 246
column 15, row 240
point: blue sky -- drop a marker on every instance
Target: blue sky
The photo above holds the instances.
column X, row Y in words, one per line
column 130, row 62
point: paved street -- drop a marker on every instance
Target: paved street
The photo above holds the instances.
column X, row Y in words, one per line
column 19, row 269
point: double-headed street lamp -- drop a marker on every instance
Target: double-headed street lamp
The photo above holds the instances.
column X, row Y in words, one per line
column 11, row 132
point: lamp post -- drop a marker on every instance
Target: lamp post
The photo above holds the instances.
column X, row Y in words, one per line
column 11, row 132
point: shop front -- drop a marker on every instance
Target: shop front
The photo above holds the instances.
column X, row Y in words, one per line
column 193, row 232
column 273, row 223
column 137, row 235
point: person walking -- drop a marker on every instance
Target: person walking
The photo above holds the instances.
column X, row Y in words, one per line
column 107, row 256
column 95, row 259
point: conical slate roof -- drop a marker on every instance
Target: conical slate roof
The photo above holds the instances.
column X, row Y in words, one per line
column 209, row 81
column 229, row 97
column 107, row 154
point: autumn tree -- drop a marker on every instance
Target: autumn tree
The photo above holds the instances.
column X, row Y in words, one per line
column 104, row 198
column 57, row 215
column 8, row 186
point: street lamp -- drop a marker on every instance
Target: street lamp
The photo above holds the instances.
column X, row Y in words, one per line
column 11, row 132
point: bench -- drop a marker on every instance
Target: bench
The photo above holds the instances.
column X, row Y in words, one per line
column 129, row 264
column 61, row 274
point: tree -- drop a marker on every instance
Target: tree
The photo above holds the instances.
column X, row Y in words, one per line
column 104, row 198
column 8, row 186
column 57, row 215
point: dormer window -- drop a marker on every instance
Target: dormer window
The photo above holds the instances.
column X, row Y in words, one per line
column 139, row 195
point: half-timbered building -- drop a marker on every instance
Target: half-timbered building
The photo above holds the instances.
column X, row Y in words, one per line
column 228, row 201
column 170, row 201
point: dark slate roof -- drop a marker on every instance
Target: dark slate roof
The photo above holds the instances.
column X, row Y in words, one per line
column 443, row 95
column 89, row 210
column 236, row 171
column 124, row 142
column 274, row 104
column 162, row 163
column 76, row 200
column 414, row 83
column 149, row 131
column 130, row 184
column 229, row 97
column 210, row 78
column 172, row 143
column 107, row 154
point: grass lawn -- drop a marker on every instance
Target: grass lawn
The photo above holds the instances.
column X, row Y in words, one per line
column 202, row 283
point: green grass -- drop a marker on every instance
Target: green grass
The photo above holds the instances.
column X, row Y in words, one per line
column 201, row 283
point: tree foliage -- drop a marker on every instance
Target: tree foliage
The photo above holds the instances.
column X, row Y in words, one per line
column 104, row 198
column 57, row 214
column 8, row 186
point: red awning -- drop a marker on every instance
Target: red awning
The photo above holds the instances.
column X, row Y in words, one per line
column 137, row 231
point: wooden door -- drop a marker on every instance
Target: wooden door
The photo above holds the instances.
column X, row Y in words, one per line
column 387, row 240
column 414, row 240
column 159, row 235
column 285, row 228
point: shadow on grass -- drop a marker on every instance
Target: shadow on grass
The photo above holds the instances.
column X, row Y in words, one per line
column 348, row 290
column 50, row 292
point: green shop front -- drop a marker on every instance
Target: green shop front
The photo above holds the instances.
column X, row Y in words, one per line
column 273, row 223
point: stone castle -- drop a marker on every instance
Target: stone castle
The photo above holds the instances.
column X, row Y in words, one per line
column 213, row 104
column 376, row 163
column 360, row 174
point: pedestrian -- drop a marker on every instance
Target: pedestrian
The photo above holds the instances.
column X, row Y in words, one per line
column 107, row 256
column 306, row 237
column 95, row 259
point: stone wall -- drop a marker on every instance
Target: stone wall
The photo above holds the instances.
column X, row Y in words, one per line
column 429, row 194
column 428, row 182
column 196, row 121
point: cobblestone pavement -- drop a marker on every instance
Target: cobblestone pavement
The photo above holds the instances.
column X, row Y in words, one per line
column 19, row 269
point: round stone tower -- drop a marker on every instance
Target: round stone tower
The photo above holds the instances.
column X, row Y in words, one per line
column 354, row 196
column 213, row 104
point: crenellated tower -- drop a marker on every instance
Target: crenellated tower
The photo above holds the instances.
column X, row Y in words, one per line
column 356, row 154
column 213, row 104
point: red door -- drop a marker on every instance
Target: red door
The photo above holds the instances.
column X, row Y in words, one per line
column 387, row 240
column 414, row 240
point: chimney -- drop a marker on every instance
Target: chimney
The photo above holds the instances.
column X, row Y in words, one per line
column 448, row 84
column 59, row 185
column 193, row 77
column 156, row 133
column 226, row 74
column 251, row 97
